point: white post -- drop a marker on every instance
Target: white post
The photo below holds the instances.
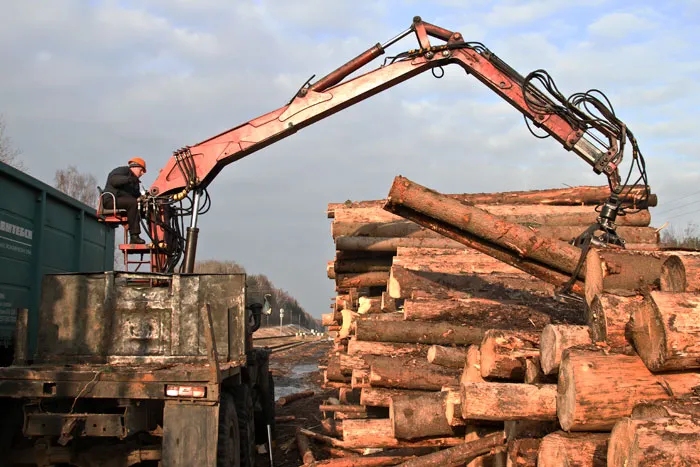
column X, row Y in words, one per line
column 281, row 317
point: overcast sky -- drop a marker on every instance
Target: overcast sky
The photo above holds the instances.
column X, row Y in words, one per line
column 93, row 83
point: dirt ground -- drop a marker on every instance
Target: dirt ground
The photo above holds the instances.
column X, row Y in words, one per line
column 296, row 370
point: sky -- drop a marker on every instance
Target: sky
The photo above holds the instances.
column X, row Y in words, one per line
column 94, row 83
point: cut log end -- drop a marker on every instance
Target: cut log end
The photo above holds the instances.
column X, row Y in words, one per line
column 673, row 275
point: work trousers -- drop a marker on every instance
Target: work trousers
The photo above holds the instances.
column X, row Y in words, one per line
column 131, row 205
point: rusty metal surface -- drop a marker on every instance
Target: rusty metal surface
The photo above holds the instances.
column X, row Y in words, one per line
column 122, row 318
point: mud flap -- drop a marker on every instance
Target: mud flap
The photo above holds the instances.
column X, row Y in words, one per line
column 190, row 433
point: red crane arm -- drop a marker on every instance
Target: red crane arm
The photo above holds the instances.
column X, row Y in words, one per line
column 196, row 166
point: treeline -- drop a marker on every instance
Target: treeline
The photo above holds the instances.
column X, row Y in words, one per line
column 294, row 313
column 688, row 237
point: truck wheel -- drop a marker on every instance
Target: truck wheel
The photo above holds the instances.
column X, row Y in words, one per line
column 228, row 450
column 243, row 396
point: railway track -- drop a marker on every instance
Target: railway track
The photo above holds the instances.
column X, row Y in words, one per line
column 282, row 343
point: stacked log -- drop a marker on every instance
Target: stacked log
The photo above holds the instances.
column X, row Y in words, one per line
column 473, row 357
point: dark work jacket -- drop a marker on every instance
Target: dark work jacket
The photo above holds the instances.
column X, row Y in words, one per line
column 121, row 182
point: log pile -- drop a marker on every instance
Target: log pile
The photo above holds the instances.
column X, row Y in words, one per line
column 462, row 349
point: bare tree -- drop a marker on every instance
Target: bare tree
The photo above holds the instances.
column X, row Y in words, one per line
column 9, row 154
column 80, row 186
column 212, row 266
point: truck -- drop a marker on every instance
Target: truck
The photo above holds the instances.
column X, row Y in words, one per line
column 135, row 367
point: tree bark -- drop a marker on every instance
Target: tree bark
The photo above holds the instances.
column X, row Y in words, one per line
column 458, row 454
column 666, row 332
column 503, row 353
column 359, row 379
column 348, row 363
column 508, row 401
column 419, row 415
column 361, row 279
column 516, row 429
column 388, row 304
column 381, row 397
column 442, row 333
column 328, row 319
column 465, row 261
column 681, row 273
column 391, row 244
column 543, row 257
column 513, row 315
column 573, row 449
column 362, row 265
column 333, row 372
column 685, row 408
column 597, row 388
column 304, row 447
column 608, row 317
column 534, row 373
column 447, row 356
column 377, row 433
column 408, row 373
column 349, row 396
column 294, row 397
column 573, row 196
column 655, row 442
column 612, row 270
column 386, row 349
column 555, row 339
column 523, row 452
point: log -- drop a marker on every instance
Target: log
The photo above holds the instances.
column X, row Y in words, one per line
column 555, row 339
column 332, row 427
column 518, row 214
column 523, row 452
column 388, row 304
column 508, row 401
column 369, row 305
column 666, row 332
column 597, row 388
column 497, row 457
column 681, row 273
column 447, row 356
column 472, row 367
column 446, row 261
column 376, row 264
column 334, row 372
column 543, row 257
column 419, row 415
column 304, row 447
column 654, row 442
column 534, row 373
column 608, row 316
column 359, row 379
column 377, row 433
column 285, row 418
column 685, row 408
column 391, row 244
column 417, row 332
column 374, row 461
column 408, row 373
column 503, row 353
column 453, row 405
column 342, row 408
column 571, row 196
column 328, row 319
column 512, row 314
column 349, row 317
column 330, row 270
column 386, row 349
column 574, row 449
column 458, row 454
column 381, row 397
column 294, row 397
column 361, row 279
column 516, row 429
column 349, row 396
column 612, row 270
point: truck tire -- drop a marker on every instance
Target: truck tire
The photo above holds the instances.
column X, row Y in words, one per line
column 228, row 448
column 243, row 396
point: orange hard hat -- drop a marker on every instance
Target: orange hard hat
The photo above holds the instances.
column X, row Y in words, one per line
column 139, row 162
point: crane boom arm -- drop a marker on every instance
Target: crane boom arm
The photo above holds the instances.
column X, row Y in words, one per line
column 194, row 167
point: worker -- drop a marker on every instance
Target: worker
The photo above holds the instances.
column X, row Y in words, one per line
column 123, row 183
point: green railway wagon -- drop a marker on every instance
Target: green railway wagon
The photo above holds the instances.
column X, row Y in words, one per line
column 42, row 231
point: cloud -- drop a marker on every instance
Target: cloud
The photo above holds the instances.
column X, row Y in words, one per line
column 93, row 84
